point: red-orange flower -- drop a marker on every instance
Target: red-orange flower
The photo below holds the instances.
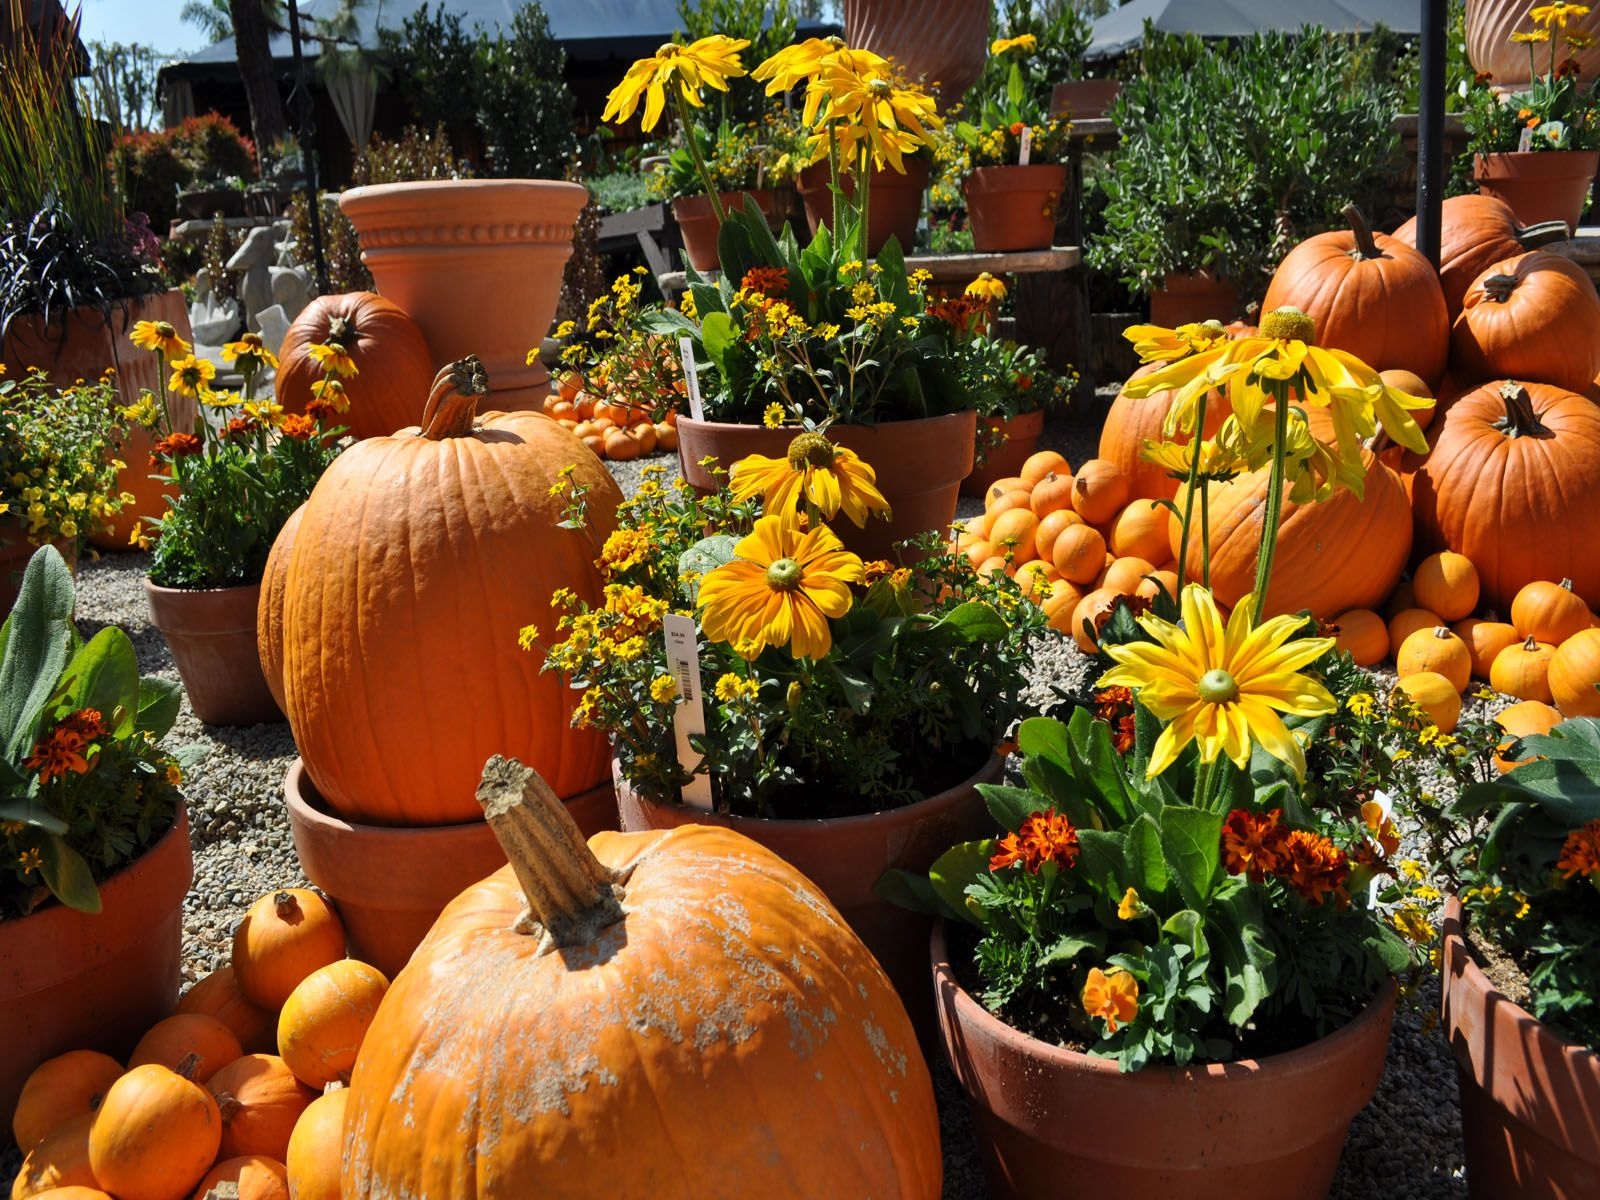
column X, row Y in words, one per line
column 87, row 723
column 176, row 445
column 1580, row 853
column 298, row 428
column 1114, row 706
column 1380, row 826
column 1112, row 996
column 1252, row 843
column 242, row 427
column 321, row 410
column 57, row 754
column 769, row 281
column 964, row 313
column 1313, row 865
column 1044, row 837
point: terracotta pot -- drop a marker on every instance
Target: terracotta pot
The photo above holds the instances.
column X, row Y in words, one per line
column 700, row 228
column 212, row 635
column 1005, row 460
column 15, row 551
column 944, row 43
column 1055, row 1124
column 1488, row 26
column 1083, row 99
column 390, row 883
column 846, row 856
column 477, row 264
column 1539, row 185
column 920, row 465
column 1184, row 298
column 72, row 980
column 1014, row 208
column 92, row 345
column 893, row 208
column 1530, row 1101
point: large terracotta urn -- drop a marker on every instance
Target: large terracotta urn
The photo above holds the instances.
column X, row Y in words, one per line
column 1489, row 26
column 477, row 264
column 942, row 43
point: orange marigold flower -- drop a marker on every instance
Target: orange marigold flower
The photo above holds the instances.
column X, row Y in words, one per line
column 769, row 281
column 298, row 428
column 1568, row 67
column 57, row 754
column 176, row 445
column 1533, row 122
column 1380, row 826
column 1114, row 706
column 962, row 313
column 1017, row 127
column 1044, row 837
column 1580, row 853
column 1112, row 996
column 240, row 427
column 319, row 409
column 86, row 723
column 1252, row 843
column 1313, row 865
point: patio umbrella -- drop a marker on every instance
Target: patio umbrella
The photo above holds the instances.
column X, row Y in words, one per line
column 1122, row 29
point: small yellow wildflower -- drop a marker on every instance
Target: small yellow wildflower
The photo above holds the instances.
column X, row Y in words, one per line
column 773, row 416
column 663, row 689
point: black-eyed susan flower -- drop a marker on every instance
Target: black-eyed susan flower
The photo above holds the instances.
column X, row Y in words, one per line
column 815, row 472
column 159, row 336
column 707, row 62
column 986, row 287
column 334, row 359
column 250, row 352
column 191, row 376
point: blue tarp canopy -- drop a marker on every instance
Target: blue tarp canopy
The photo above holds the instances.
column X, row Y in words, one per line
column 1122, row 29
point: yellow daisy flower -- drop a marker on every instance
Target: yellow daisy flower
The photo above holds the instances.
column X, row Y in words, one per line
column 1557, row 14
column 780, row 589
column 1222, row 687
column 987, row 287
column 191, row 376
column 1026, row 43
column 815, row 471
column 1154, row 343
column 870, row 108
column 250, row 351
column 159, row 336
column 335, row 358
column 708, row 62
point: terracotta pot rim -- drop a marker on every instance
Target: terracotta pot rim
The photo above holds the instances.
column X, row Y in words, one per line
column 699, row 205
column 454, row 188
column 1009, row 176
column 1025, row 423
column 955, row 418
column 1307, row 1059
column 1558, row 162
column 155, row 588
column 308, row 808
column 819, row 177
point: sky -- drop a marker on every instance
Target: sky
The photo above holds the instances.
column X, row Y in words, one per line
column 148, row 22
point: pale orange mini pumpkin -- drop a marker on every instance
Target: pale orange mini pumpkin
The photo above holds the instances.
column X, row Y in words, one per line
column 325, row 1018
column 1575, row 674
column 1523, row 719
column 172, row 1040
column 284, row 936
column 1447, row 583
column 260, row 1100
column 60, row 1088
column 1550, row 612
column 155, row 1135
column 1523, row 670
column 1485, row 638
column 1363, row 634
column 1435, row 695
column 316, row 1148
column 58, row 1160
column 246, row 1177
column 1436, row 650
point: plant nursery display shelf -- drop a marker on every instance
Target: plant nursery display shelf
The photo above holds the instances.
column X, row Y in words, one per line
column 952, row 268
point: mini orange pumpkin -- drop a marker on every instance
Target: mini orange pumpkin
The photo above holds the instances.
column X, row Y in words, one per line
column 1363, row 634
column 155, row 1135
column 1099, row 491
column 218, row 995
column 69, row 1085
column 1126, row 574
column 1447, row 583
column 1051, row 494
column 60, row 1159
column 174, row 1039
column 1041, row 463
column 284, row 936
column 1575, row 674
column 1403, row 624
column 1550, row 612
column 1141, row 530
column 1079, row 553
column 326, row 1016
column 246, row 1177
column 260, row 1100
column 1485, row 638
column 1435, row 695
column 1523, row 670
column 317, row 1147
column 1437, row 650
column 1523, row 719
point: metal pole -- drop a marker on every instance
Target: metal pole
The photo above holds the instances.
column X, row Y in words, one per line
column 305, row 127
column 1430, row 129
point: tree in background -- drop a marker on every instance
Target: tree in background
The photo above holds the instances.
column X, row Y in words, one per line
column 125, row 84
column 253, row 28
column 213, row 18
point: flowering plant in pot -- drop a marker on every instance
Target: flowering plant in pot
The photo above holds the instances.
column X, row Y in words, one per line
column 1012, row 388
column 242, row 469
column 1536, row 148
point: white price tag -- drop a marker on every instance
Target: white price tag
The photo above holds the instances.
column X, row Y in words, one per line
column 691, row 378
column 1525, row 140
column 689, row 717
column 1027, row 146
column 1385, row 803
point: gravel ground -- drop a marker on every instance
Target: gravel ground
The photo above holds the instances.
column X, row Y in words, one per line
column 1406, row 1143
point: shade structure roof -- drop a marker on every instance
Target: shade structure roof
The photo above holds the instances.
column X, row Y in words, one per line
column 1122, row 29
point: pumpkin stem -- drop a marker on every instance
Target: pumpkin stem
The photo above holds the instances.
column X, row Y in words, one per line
column 286, row 906
column 1531, row 645
column 1366, row 245
column 453, row 401
column 1520, row 419
column 571, row 895
column 187, row 1066
column 341, row 330
column 1542, row 234
column 1498, row 288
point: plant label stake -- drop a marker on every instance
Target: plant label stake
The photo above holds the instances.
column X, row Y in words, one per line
column 683, row 659
column 1385, row 803
column 1525, row 140
column 692, row 379
column 1026, row 152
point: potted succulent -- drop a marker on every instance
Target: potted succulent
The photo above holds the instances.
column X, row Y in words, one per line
column 58, row 469
column 819, row 671
column 1537, row 147
column 93, row 839
column 241, row 471
column 1013, row 388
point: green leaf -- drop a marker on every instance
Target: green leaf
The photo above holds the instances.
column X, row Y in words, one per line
column 912, row 890
column 1043, row 737
column 719, row 336
column 1102, row 861
column 68, row 877
column 956, row 870
column 1192, row 840
column 1249, row 964
column 29, row 811
column 1188, row 928
column 706, row 556
column 975, row 621
column 159, row 702
column 1146, row 864
column 1011, row 806
column 38, row 641
column 1070, row 946
column 104, row 675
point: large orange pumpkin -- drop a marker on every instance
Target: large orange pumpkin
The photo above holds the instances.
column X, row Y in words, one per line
column 1370, row 295
column 1513, row 483
column 269, row 608
column 1130, row 422
column 1340, row 554
column 391, row 354
column 675, row 1012
column 417, row 562
column 1536, row 318
column 1475, row 232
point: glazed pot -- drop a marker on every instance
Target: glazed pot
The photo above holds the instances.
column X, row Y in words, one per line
column 1539, row 185
column 698, row 223
column 1014, row 208
column 1530, row 1101
column 920, row 465
column 212, row 635
column 893, row 208
column 91, row 344
column 15, row 551
column 477, row 264
column 846, row 856
column 943, row 43
column 389, row 883
column 71, row 980
column 1488, row 26
column 1054, row 1124
column 1184, row 298
column 1005, row 460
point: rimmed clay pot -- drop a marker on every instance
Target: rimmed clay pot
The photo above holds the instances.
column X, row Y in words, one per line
column 919, row 464
column 212, row 635
column 1083, row 99
column 477, row 264
column 71, row 980
column 389, row 883
column 894, row 203
column 90, row 345
column 1005, row 460
column 698, row 223
column 942, row 43
column 846, row 856
column 1184, row 298
column 1054, row 1124
column 1014, row 207
column 1539, row 185
column 15, row 551
column 1530, row 1101
column 1488, row 26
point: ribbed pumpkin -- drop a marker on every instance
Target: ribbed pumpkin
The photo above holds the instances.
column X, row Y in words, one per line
column 1099, row 490
column 218, row 995
column 1363, row 635
column 1340, row 554
column 1447, row 583
column 417, row 562
column 155, row 1135
column 1535, row 318
column 1475, row 232
column 1435, row 695
column 1523, row 670
column 622, row 977
column 69, row 1085
column 1550, row 612
column 1079, row 554
column 246, row 1177
column 1485, row 638
column 1513, row 483
column 1370, row 295
column 1436, row 650
column 1052, row 493
column 1041, row 463
column 391, row 355
column 60, row 1159
column 283, row 937
column 1141, row 529
column 1524, row 719
column 1575, row 674
column 1407, row 622
column 260, row 1101
column 174, row 1039
column 316, row 1147
column 1125, row 574
column 269, row 609
column 1130, row 422
column 325, row 1019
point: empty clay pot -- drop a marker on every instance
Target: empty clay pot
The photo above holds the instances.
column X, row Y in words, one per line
column 1013, row 207
column 212, row 635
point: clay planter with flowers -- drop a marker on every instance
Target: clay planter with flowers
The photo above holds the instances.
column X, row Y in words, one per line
column 895, row 201
column 1014, row 208
column 1012, row 386
column 699, row 224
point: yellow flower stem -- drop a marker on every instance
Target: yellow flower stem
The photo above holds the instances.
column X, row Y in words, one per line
column 1279, row 390
column 686, row 123
column 1188, row 496
column 1205, row 535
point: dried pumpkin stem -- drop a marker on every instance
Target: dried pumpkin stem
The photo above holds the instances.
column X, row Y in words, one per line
column 1542, row 233
column 1366, row 245
column 1520, row 419
column 571, row 895
column 453, row 400
column 1498, row 288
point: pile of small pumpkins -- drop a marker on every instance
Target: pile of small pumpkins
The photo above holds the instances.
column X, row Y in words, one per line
column 611, row 427
column 240, row 1093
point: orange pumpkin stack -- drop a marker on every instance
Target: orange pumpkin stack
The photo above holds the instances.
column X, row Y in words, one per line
column 204, row 1108
column 612, row 428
